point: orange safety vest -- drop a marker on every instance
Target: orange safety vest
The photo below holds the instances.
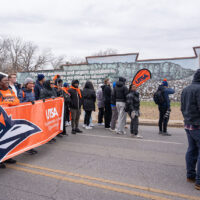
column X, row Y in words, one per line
column 8, row 97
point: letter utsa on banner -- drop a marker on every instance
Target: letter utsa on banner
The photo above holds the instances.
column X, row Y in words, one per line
column 26, row 126
column 141, row 76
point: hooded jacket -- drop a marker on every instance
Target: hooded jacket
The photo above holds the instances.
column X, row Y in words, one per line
column 132, row 101
column 47, row 92
column 100, row 98
column 120, row 91
column 89, row 97
column 76, row 101
column 190, row 102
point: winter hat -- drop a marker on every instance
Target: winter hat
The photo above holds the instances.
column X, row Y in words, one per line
column 40, row 77
column 2, row 76
column 165, row 83
column 28, row 80
column 197, row 76
column 65, row 85
column 75, row 82
column 122, row 79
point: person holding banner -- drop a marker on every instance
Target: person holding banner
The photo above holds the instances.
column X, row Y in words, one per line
column 8, row 98
column 133, row 109
column 120, row 92
column 39, row 86
column 75, row 105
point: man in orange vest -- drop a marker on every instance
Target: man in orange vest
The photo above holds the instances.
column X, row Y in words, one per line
column 8, row 98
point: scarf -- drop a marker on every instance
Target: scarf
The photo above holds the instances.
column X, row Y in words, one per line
column 78, row 90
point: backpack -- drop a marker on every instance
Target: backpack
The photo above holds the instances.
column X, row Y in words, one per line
column 158, row 97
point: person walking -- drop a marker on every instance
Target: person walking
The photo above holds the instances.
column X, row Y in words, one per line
column 107, row 102
column 133, row 109
column 26, row 94
column 39, row 86
column 100, row 103
column 89, row 99
column 163, row 101
column 114, row 110
column 190, row 108
column 8, row 98
column 75, row 106
column 120, row 93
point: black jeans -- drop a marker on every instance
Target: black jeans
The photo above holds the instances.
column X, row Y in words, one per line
column 67, row 118
column 162, row 120
column 100, row 115
column 134, row 124
column 107, row 115
column 87, row 117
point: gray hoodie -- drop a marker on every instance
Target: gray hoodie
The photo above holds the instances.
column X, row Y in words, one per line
column 100, row 98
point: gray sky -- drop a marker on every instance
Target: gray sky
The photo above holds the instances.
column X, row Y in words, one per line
column 154, row 28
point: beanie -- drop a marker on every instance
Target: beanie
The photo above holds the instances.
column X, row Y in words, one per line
column 165, row 83
column 28, row 80
column 66, row 84
column 40, row 77
column 122, row 79
column 2, row 76
column 196, row 77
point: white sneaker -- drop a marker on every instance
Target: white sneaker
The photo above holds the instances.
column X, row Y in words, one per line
column 91, row 125
column 84, row 125
column 88, row 127
column 113, row 130
column 137, row 136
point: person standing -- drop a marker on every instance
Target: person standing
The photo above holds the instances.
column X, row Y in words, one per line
column 114, row 110
column 26, row 94
column 190, row 108
column 120, row 93
column 39, row 86
column 133, row 109
column 89, row 99
column 67, row 109
column 12, row 78
column 107, row 102
column 164, row 106
column 100, row 103
column 7, row 97
column 75, row 106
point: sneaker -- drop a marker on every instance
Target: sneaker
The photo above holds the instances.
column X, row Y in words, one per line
column 64, row 133
column 84, row 125
column 197, row 186
column 119, row 133
column 166, row 134
column 191, row 180
column 112, row 130
column 78, row 130
column 54, row 139
column 88, row 127
column 73, row 131
column 2, row 166
column 137, row 136
column 101, row 124
column 10, row 161
column 91, row 125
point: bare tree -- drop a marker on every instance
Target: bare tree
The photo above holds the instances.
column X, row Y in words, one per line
column 57, row 62
column 106, row 52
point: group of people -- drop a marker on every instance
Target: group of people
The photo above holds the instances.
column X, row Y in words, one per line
column 114, row 103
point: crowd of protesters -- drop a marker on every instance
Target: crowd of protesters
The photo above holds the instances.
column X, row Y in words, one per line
column 114, row 103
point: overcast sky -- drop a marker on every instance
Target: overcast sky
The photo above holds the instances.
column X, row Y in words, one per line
column 154, row 28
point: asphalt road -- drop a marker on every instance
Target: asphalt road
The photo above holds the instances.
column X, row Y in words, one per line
column 101, row 165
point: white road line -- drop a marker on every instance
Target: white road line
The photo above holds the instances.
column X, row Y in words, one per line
column 139, row 140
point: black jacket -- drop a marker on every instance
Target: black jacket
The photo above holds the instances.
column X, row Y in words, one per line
column 89, row 97
column 62, row 93
column 107, row 94
column 37, row 90
column 120, row 91
column 76, row 101
column 47, row 92
column 190, row 102
column 132, row 102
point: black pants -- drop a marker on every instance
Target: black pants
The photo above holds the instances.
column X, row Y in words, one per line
column 67, row 114
column 107, row 115
column 100, row 115
column 134, row 124
column 87, row 117
column 162, row 120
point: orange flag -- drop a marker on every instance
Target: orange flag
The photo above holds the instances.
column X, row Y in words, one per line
column 141, row 76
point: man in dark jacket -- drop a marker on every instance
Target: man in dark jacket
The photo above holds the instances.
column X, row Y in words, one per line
column 75, row 105
column 190, row 107
column 39, row 86
column 164, row 108
column 107, row 102
column 120, row 93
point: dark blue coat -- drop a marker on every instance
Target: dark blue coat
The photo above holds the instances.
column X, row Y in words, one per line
column 37, row 90
column 26, row 95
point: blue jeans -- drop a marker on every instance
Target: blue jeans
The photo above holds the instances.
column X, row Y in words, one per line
column 193, row 155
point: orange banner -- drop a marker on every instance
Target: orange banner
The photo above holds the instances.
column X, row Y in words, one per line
column 141, row 76
column 27, row 126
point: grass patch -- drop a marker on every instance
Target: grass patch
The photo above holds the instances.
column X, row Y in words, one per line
column 152, row 104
